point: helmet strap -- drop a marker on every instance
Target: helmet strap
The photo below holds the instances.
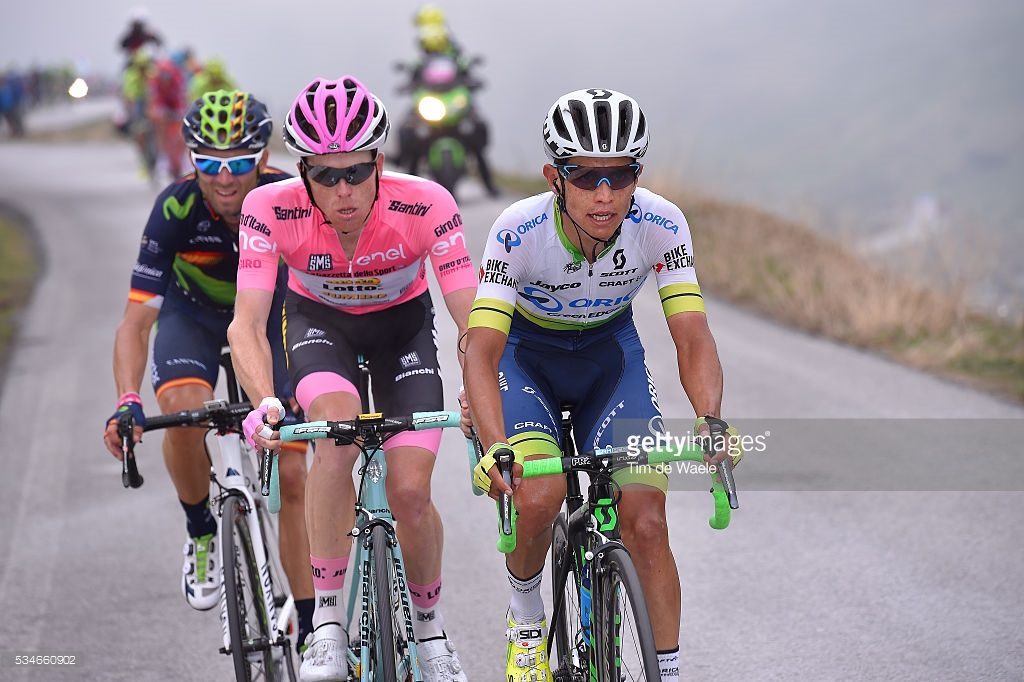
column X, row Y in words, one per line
column 560, row 198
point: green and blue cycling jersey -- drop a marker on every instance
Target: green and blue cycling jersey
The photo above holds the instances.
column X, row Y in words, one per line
column 187, row 268
column 572, row 339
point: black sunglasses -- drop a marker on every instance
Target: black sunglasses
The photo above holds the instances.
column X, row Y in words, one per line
column 329, row 176
column 590, row 177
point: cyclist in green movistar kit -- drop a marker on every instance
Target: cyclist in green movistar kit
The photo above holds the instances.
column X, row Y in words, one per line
column 184, row 279
column 553, row 316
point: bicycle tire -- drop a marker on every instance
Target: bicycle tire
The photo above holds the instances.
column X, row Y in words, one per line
column 614, row 620
column 243, row 593
column 383, row 645
column 567, row 657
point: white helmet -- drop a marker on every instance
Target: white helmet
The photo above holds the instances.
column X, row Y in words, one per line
column 596, row 123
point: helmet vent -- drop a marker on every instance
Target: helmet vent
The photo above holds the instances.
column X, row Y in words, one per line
column 578, row 112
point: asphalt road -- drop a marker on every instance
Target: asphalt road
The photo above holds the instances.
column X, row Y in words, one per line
column 817, row 579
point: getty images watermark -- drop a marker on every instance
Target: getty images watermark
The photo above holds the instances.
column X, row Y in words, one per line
column 661, row 438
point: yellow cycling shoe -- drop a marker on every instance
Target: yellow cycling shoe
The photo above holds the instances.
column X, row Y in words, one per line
column 527, row 659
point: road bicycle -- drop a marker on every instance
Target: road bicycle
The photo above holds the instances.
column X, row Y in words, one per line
column 600, row 630
column 256, row 607
column 385, row 649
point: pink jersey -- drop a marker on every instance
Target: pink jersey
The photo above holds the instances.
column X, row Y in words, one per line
column 411, row 219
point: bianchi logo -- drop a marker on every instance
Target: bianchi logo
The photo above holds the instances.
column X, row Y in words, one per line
column 412, row 372
column 313, row 331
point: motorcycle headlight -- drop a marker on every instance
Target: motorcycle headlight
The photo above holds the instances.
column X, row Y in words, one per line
column 431, row 109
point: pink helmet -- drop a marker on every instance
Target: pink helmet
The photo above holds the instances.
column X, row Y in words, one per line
column 330, row 117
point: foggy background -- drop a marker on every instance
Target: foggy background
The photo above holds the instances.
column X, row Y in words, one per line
column 886, row 123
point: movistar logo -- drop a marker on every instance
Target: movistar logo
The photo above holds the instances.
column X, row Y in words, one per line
column 173, row 206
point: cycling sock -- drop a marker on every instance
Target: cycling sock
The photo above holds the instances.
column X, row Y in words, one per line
column 329, row 589
column 527, row 604
column 668, row 662
column 200, row 520
column 304, row 609
column 427, row 621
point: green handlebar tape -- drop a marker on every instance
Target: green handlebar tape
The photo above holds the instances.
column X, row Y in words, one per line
column 274, row 501
column 660, row 456
column 723, row 513
column 542, row 467
column 307, row 431
column 507, row 543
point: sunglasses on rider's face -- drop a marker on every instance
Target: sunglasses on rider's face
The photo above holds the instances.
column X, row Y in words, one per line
column 236, row 165
column 329, row 176
column 590, row 178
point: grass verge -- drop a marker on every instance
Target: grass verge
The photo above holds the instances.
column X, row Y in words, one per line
column 786, row 271
column 18, row 268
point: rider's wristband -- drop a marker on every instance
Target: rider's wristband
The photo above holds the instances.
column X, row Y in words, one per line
column 129, row 397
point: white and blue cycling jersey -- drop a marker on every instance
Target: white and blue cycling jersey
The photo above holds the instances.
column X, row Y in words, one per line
column 571, row 334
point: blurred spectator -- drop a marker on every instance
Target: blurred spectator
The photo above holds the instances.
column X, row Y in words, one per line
column 213, row 76
column 138, row 33
column 12, row 96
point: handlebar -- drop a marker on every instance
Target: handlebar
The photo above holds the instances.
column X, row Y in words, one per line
column 610, row 460
column 369, row 427
column 214, row 413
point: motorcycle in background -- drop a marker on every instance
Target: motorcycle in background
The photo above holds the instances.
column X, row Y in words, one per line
column 443, row 126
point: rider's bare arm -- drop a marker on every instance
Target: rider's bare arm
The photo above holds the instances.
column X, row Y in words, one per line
column 250, row 349
column 700, row 370
column 484, row 347
column 459, row 303
column 131, row 346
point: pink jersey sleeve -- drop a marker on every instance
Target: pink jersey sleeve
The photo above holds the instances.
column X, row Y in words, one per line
column 257, row 245
column 446, row 243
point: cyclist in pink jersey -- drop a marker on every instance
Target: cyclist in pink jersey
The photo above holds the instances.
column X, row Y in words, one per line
column 356, row 241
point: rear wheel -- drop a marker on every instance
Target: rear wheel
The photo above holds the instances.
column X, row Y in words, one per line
column 248, row 622
column 568, row 657
column 623, row 639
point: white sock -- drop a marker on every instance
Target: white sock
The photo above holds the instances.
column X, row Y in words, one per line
column 329, row 590
column 668, row 662
column 427, row 621
column 527, row 604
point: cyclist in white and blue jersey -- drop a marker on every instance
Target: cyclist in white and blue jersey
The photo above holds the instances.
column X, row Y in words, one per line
column 552, row 324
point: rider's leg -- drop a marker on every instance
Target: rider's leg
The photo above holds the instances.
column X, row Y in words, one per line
column 645, row 533
column 419, row 529
column 292, row 539
column 184, row 453
column 330, row 502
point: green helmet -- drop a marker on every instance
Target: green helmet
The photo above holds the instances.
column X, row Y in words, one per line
column 227, row 119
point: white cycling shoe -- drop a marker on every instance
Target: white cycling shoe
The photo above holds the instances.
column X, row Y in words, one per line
column 326, row 656
column 439, row 662
column 201, row 577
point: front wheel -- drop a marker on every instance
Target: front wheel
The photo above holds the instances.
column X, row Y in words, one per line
column 568, row 658
column 623, row 638
column 383, row 646
column 248, row 623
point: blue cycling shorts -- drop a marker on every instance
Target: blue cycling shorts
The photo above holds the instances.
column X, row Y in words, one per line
column 601, row 374
column 189, row 339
